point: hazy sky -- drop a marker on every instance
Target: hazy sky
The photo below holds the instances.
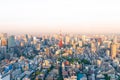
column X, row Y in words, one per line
column 53, row 15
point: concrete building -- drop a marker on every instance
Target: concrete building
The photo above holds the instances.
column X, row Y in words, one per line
column 113, row 50
column 3, row 42
column 11, row 42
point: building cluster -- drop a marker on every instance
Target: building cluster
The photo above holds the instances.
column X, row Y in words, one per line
column 60, row 57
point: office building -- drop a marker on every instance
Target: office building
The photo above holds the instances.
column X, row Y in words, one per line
column 11, row 42
column 3, row 42
column 113, row 50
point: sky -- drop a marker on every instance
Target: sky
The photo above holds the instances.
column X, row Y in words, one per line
column 77, row 16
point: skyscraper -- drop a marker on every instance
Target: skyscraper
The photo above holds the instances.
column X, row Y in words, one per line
column 113, row 50
column 83, row 37
column 67, row 39
column 11, row 42
column 115, row 39
column 93, row 47
column 0, row 42
column 3, row 41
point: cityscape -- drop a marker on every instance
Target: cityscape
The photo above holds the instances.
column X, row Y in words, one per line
column 59, row 39
column 60, row 57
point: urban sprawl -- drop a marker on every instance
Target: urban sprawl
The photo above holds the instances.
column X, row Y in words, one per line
column 60, row 57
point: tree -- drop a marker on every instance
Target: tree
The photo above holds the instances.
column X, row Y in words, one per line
column 107, row 77
column 85, row 61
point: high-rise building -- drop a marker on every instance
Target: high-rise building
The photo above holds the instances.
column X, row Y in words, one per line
column 80, row 43
column 11, row 42
column 4, row 35
column 3, row 41
column 113, row 50
column 0, row 42
column 115, row 39
column 34, row 40
column 83, row 37
column 3, row 49
column 93, row 47
column 108, row 52
column 37, row 46
column 67, row 39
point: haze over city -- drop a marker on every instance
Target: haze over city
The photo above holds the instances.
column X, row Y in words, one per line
column 34, row 16
column 59, row 39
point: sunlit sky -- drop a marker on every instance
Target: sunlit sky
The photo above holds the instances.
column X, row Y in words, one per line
column 52, row 15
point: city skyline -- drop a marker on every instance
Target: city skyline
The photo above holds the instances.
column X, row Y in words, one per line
column 59, row 40
column 71, row 16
